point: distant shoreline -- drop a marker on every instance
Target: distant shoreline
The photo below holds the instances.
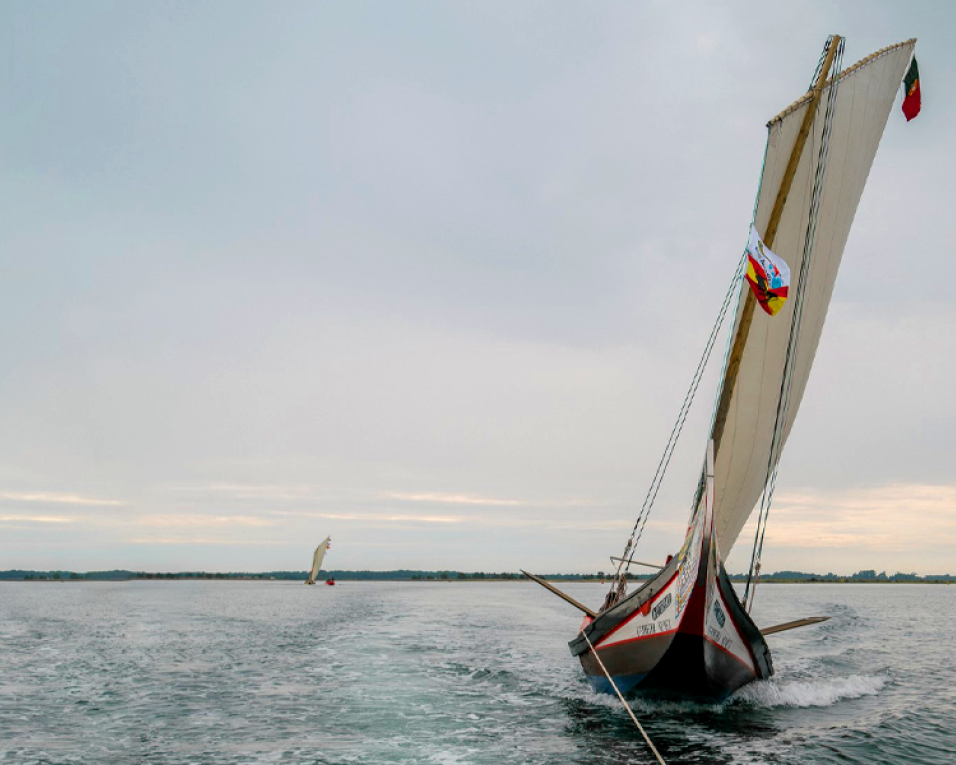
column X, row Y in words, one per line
column 407, row 575
column 736, row 580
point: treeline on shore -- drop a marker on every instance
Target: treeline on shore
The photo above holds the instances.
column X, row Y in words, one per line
column 865, row 576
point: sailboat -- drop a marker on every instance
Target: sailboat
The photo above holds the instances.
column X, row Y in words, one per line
column 317, row 557
column 684, row 631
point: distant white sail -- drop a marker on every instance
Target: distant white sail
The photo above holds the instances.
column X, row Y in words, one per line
column 865, row 96
column 317, row 559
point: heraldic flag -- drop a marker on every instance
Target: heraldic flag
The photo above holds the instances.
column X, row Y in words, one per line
column 768, row 274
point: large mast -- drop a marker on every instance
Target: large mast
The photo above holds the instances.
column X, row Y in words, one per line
column 746, row 318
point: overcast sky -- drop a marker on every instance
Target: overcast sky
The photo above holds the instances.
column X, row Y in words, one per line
column 433, row 278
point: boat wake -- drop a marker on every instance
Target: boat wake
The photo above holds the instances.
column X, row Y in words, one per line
column 766, row 694
column 808, row 693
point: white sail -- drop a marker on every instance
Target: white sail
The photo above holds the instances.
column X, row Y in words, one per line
column 317, row 558
column 865, row 96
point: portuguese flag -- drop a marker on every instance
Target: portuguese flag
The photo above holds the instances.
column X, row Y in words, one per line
column 911, row 101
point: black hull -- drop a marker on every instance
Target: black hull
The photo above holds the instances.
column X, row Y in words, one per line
column 683, row 633
column 687, row 664
column 696, row 667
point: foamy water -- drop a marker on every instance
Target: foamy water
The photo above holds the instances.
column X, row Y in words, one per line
column 452, row 674
column 810, row 693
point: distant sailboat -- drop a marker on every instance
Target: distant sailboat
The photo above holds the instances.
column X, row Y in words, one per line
column 684, row 631
column 317, row 557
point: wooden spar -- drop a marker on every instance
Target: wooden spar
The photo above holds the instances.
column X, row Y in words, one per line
column 793, row 625
column 635, row 562
column 843, row 75
column 746, row 318
column 771, row 233
column 563, row 596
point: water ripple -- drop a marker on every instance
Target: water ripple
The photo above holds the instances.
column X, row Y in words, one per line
column 223, row 673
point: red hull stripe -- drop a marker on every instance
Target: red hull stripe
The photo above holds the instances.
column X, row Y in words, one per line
column 740, row 634
column 602, row 646
column 732, row 655
column 638, row 612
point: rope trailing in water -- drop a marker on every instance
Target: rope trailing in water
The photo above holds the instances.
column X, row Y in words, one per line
column 786, row 383
column 626, row 705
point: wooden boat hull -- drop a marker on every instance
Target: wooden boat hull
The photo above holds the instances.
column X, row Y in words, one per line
column 682, row 633
column 629, row 665
column 699, row 658
column 698, row 662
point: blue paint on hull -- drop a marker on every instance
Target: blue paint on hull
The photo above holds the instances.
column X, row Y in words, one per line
column 625, row 683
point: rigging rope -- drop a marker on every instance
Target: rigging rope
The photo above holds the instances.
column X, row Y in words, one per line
column 619, row 582
column 786, row 383
column 730, row 335
column 619, row 585
column 626, row 705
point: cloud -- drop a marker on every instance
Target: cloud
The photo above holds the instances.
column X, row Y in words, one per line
column 453, row 499
column 35, row 519
column 586, row 523
column 898, row 517
column 58, row 499
column 382, row 518
column 253, row 491
column 358, row 335
column 198, row 521
column 197, row 541
column 470, row 499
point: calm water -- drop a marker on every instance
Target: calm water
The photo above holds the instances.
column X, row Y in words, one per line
column 274, row 672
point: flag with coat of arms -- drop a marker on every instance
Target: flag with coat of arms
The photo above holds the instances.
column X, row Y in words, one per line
column 768, row 275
